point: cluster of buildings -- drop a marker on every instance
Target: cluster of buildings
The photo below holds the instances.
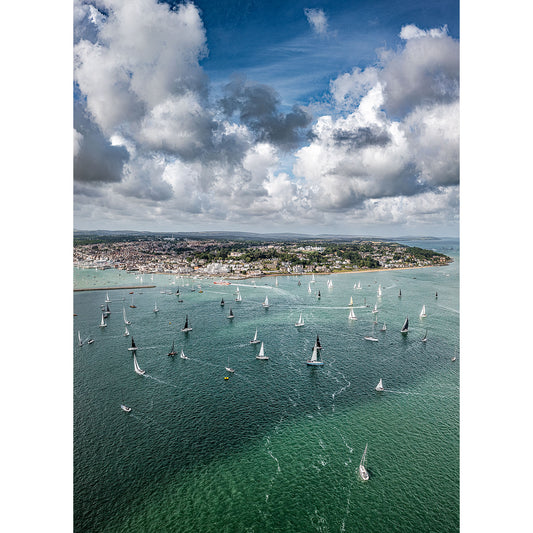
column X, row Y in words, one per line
column 184, row 257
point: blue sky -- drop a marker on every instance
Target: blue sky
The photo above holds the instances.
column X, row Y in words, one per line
column 315, row 117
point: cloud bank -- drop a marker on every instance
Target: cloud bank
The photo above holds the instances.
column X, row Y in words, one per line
column 154, row 150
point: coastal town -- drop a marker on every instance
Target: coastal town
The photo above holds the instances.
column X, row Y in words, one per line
column 234, row 259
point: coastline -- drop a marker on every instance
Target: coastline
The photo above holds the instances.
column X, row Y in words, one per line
column 269, row 275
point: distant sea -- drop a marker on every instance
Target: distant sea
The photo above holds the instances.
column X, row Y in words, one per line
column 276, row 447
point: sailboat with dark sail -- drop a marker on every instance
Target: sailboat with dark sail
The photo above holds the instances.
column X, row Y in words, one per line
column 172, row 350
column 186, row 328
column 405, row 327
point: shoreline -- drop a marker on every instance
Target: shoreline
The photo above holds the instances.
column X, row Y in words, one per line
column 283, row 274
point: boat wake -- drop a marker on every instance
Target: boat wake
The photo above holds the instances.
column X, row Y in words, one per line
column 160, row 380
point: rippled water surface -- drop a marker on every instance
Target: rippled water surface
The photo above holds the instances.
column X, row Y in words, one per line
column 275, row 447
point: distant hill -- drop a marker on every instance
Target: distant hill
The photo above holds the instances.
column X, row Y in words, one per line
column 243, row 235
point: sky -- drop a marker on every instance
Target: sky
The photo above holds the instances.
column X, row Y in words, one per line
column 309, row 117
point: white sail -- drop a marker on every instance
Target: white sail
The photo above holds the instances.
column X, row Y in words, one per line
column 384, row 327
column 265, row 303
column 309, row 288
column 314, row 358
column 300, row 321
column 126, row 332
column 255, row 341
column 351, row 301
column 379, row 386
column 359, row 285
column 102, row 322
column 239, row 297
column 425, row 337
column 379, row 291
column 375, row 310
column 80, row 343
column 362, row 469
column 352, row 316
column 107, row 300
column 136, row 366
column 423, row 312
column 182, row 355
column 312, row 278
column 261, row 353
column 156, row 309
column 126, row 321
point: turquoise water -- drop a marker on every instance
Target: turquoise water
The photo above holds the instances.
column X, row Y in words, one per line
column 275, row 447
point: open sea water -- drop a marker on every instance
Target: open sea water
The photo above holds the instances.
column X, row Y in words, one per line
column 276, row 447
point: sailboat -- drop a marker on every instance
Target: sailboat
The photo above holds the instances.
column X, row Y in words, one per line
column 265, row 303
column 317, row 343
column 125, row 408
column 312, row 278
column 405, row 327
column 371, row 338
column 329, row 284
column 80, row 342
column 132, row 305
column 276, row 282
column 107, row 300
column 255, row 340
column 239, row 297
column 358, row 286
column 300, row 321
column 228, row 368
column 182, row 355
column 156, row 309
column 262, row 354
column 88, row 340
column 425, row 337
column 133, row 347
column 400, row 294
column 314, row 361
column 231, row 315
column 351, row 302
column 379, row 386
column 309, row 288
column 319, row 295
column 423, row 312
column 186, row 327
column 384, row 327
column 107, row 312
column 222, row 302
column 136, row 366
column 102, row 322
column 380, row 293
column 375, row 310
column 436, row 294
column 172, row 350
column 126, row 332
column 362, row 470
column 126, row 321
column 352, row 316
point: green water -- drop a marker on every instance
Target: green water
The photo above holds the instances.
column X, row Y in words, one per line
column 276, row 447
